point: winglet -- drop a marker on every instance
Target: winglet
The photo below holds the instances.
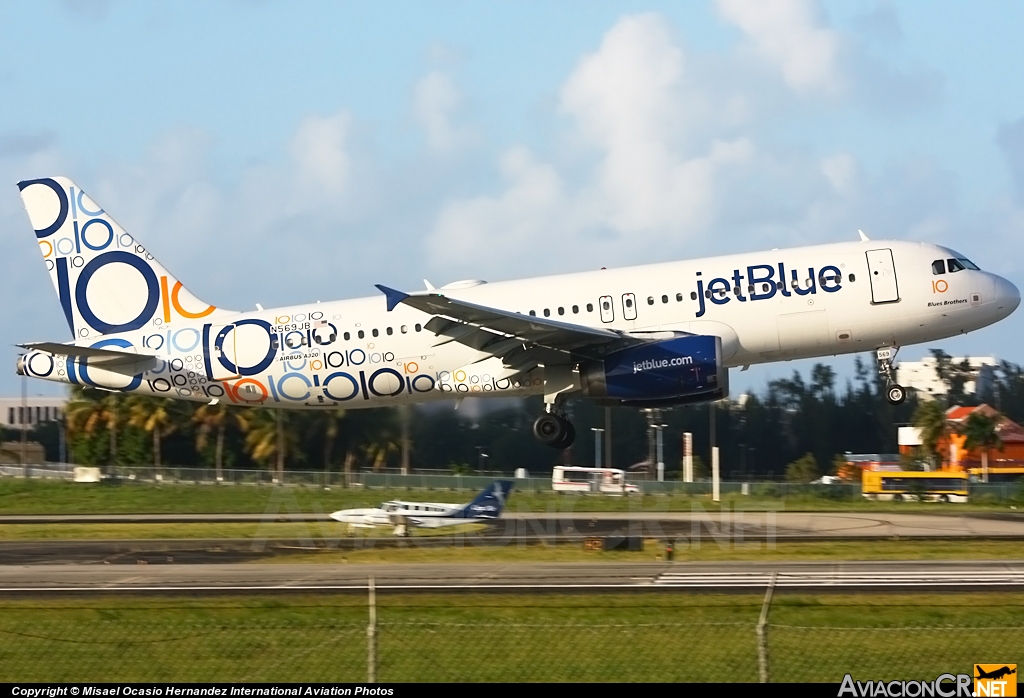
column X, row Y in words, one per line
column 430, row 286
column 863, row 237
column 394, row 297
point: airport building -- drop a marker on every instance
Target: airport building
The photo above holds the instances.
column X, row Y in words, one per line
column 953, row 444
column 923, row 377
column 30, row 412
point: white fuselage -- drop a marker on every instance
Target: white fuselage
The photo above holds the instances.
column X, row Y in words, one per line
column 357, row 354
column 397, row 513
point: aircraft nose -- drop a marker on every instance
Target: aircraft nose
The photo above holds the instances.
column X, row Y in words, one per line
column 1007, row 295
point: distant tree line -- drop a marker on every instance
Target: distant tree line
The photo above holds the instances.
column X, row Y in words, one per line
column 807, row 420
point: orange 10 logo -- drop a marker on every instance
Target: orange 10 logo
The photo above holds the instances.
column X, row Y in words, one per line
column 940, row 286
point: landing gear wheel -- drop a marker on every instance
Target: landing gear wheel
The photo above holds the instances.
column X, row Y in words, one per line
column 568, row 439
column 554, row 431
column 895, row 394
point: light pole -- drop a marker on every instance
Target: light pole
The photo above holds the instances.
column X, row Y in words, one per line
column 597, row 445
column 480, row 458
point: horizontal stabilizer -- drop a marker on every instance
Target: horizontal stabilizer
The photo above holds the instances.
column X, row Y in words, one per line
column 97, row 357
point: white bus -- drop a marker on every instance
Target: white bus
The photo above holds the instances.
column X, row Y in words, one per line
column 575, row 478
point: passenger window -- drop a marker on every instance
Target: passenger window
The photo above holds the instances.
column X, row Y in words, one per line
column 389, row 331
column 650, row 300
column 955, row 265
column 938, row 267
column 561, row 310
column 375, row 332
column 590, row 307
column 361, row 334
column 419, row 327
column 852, row 278
column 547, row 313
column 575, row 309
column 533, row 313
column 405, row 328
column 347, row 336
column 679, row 297
column 664, row 299
column 693, row 295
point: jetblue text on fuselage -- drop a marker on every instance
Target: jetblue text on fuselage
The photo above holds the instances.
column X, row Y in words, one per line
column 763, row 281
column 651, row 364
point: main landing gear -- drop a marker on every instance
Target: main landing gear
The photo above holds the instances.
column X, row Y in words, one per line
column 894, row 393
column 554, row 430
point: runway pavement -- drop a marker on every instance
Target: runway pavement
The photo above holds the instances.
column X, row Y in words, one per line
column 295, row 578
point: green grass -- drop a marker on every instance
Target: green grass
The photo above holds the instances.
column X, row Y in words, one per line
column 20, row 496
column 505, row 637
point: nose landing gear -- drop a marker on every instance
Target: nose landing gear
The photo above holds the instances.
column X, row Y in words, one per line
column 894, row 392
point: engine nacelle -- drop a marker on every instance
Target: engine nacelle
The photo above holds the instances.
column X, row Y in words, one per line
column 660, row 374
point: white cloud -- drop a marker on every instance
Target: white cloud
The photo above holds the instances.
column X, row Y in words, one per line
column 319, row 153
column 791, row 35
column 842, row 172
column 656, row 179
column 436, row 100
column 529, row 214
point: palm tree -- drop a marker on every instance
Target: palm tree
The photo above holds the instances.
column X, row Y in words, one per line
column 87, row 413
column 981, row 432
column 267, row 439
column 379, row 450
column 221, row 417
column 152, row 414
column 327, row 422
column 930, row 419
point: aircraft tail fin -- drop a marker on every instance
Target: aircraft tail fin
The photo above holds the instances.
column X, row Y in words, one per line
column 106, row 281
column 489, row 503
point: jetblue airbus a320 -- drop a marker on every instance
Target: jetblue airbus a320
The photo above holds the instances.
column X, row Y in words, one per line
column 655, row 335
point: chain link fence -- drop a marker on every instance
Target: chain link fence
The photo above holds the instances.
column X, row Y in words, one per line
column 507, row 638
column 979, row 492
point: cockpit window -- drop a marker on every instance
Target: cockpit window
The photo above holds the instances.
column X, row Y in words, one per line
column 955, row 265
column 938, row 267
column 968, row 263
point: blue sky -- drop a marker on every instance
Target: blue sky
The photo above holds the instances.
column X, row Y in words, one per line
column 280, row 152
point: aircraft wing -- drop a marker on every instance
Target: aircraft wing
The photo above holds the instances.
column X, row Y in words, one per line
column 519, row 340
column 441, row 521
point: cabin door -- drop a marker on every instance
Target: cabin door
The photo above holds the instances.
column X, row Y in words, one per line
column 882, row 272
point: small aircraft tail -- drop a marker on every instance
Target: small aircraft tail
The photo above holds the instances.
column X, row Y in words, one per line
column 489, row 503
column 106, row 281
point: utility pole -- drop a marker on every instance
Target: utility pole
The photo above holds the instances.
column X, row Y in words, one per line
column 597, row 446
column 688, row 457
column 24, row 422
column 607, row 437
column 661, row 453
column 403, row 413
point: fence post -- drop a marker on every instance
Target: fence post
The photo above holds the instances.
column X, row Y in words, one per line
column 762, row 639
column 371, row 636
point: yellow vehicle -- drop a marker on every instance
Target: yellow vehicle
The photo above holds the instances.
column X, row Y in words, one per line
column 997, row 474
column 899, row 486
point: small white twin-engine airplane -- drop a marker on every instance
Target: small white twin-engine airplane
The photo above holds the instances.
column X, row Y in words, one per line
column 655, row 335
column 402, row 515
